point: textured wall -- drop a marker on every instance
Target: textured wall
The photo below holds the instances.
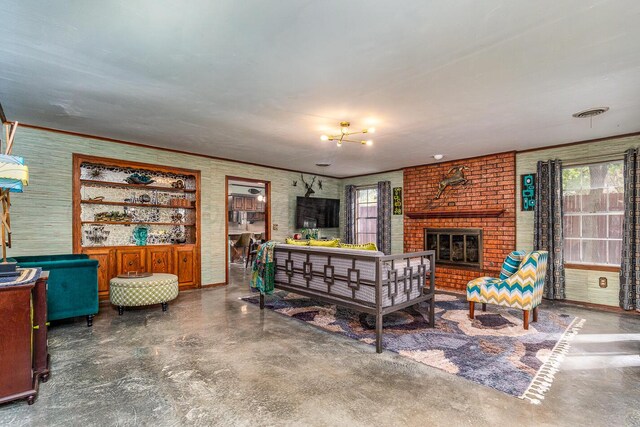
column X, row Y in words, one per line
column 582, row 285
column 396, row 179
column 490, row 187
column 41, row 217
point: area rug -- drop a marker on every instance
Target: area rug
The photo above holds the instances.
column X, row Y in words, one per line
column 493, row 349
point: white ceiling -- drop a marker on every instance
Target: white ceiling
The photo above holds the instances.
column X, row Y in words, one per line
column 260, row 81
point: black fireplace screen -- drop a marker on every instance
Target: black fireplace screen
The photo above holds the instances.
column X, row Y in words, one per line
column 455, row 246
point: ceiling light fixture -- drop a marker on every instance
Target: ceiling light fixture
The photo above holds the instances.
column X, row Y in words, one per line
column 438, row 156
column 345, row 134
column 590, row 114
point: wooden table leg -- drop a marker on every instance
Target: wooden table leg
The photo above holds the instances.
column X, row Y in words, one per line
column 525, row 317
column 471, row 308
column 535, row 314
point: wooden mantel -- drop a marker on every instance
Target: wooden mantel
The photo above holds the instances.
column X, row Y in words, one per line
column 461, row 213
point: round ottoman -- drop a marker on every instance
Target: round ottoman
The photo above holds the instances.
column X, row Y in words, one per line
column 159, row 288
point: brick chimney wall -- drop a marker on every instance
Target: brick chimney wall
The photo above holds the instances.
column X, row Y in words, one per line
column 491, row 186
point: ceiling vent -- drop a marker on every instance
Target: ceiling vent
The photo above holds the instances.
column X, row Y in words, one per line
column 591, row 112
column 323, row 165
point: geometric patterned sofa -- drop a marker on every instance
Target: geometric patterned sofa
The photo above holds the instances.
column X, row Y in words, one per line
column 520, row 285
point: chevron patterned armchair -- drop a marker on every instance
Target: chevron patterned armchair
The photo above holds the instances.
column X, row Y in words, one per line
column 520, row 285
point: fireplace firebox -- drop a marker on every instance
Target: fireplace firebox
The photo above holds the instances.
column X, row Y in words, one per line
column 460, row 247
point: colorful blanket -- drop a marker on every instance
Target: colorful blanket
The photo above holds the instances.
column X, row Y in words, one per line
column 263, row 269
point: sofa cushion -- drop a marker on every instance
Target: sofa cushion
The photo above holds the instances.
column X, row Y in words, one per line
column 297, row 242
column 365, row 247
column 325, row 243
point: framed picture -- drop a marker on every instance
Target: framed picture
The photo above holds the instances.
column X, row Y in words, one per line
column 528, row 191
column 397, row 200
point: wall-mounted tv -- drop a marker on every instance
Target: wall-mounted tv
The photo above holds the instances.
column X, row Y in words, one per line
column 315, row 212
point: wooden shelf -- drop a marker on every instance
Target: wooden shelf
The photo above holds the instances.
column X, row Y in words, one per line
column 137, row 223
column 467, row 213
column 95, row 183
column 147, row 205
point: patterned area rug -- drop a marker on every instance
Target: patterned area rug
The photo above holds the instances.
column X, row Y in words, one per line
column 492, row 350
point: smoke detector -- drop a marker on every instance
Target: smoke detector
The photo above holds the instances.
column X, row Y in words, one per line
column 591, row 112
column 438, row 156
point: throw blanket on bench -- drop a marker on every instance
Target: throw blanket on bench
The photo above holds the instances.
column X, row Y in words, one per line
column 263, row 269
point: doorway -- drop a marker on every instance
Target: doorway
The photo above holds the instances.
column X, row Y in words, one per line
column 248, row 219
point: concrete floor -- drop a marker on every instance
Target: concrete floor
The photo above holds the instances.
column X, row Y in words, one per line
column 215, row 360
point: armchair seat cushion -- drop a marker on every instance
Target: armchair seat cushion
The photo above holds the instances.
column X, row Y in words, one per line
column 495, row 291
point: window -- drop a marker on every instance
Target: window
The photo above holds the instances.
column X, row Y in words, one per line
column 366, row 215
column 593, row 197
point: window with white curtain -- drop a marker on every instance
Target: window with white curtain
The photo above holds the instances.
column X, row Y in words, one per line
column 366, row 214
column 593, row 209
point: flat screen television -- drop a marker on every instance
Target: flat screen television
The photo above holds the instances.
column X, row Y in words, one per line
column 315, row 212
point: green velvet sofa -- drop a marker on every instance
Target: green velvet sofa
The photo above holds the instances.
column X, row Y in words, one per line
column 72, row 288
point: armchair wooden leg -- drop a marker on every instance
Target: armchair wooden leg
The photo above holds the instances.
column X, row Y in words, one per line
column 525, row 317
column 535, row 314
column 471, row 308
column 484, row 306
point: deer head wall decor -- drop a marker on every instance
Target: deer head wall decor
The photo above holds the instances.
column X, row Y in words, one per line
column 308, row 186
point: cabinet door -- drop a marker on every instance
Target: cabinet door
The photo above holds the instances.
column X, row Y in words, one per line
column 159, row 259
column 105, row 268
column 130, row 260
column 185, row 260
column 238, row 203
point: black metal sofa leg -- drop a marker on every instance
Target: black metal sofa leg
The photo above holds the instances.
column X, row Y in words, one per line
column 261, row 301
column 432, row 312
column 90, row 320
column 379, row 333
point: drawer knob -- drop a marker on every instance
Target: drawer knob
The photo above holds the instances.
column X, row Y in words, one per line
column 184, row 259
column 130, row 263
column 159, row 261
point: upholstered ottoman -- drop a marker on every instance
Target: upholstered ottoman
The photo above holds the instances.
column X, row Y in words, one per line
column 159, row 288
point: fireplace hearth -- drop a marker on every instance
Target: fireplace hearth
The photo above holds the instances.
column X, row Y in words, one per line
column 461, row 247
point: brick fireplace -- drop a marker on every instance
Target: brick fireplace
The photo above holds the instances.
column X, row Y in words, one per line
column 484, row 207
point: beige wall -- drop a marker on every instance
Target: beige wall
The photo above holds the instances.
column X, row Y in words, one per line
column 582, row 285
column 41, row 217
column 397, row 227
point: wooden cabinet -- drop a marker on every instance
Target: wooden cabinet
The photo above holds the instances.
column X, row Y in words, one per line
column 250, row 204
column 185, row 257
column 106, row 262
column 238, row 203
column 23, row 353
column 246, row 203
column 109, row 241
column 181, row 260
column 129, row 260
column 159, row 259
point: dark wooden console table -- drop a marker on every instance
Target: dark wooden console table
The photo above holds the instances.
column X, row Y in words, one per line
column 24, row 356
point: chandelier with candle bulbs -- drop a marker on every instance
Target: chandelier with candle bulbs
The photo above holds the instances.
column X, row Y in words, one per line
column 346, row 135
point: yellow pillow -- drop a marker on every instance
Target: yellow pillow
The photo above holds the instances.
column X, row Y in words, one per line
column 326, row 243
column 363, row 247
column 297, row 242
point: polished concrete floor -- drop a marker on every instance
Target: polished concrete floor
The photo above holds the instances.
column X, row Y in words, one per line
column 215, row 360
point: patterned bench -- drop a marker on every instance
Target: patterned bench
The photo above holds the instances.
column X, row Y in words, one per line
column 159, row 288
